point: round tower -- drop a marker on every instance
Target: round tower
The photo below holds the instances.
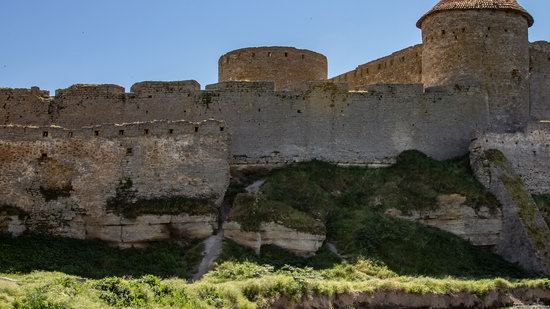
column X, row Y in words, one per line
column 483, row 42
column 288, row 67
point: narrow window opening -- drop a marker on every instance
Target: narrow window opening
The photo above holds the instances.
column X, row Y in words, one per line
column 96, row 133
column 120, row 132
column 146, row 112
column 45, row 134
column 70, row 134
column 443, row 32
column 196, row 129
column 44, row 156
column 286, row 54
column 505, row 30
column 129, row 151
column 269, row 54
column 463, row 29
column 146, row 131
column 303, row 56
column 171, row 131
column 299, row 111
column 222, row 128
column 259, row 109
column 253, row 55
column 489, row 28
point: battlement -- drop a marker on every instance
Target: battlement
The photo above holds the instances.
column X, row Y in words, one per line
column 401, row 67
column 24, row 92
column 148, row 87
column 114, row 131
column 90, row 89
column 242, row 86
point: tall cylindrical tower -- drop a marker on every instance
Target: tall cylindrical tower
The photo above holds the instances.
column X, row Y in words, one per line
column 485, row 42
column 288, row 67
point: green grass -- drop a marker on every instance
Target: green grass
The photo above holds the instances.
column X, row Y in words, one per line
column 247, row 208
column 234, row 285
column 93, row 259
column 276, row 257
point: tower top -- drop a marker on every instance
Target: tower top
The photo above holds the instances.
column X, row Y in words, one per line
column 501, row 5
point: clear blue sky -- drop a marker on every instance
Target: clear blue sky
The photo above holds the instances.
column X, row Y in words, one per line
column 55, row 43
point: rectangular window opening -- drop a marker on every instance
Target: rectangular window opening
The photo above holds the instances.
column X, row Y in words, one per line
column 222, row 128
column 96, row 133
column 44, row 155
column 269, row 54
column 171, row 131
column 196, row 129
column 129, row 151
column 286, row 54
column 120, row 132
column 70, row 134
column 146, row 131
column 45, row 134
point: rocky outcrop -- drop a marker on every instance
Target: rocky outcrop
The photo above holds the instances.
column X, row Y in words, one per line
column 299, row 243
column 525, row 237
column 128, row 184
column 148, row 228
column 481, row 226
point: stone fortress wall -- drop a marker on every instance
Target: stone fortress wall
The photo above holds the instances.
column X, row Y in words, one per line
column 540, row 80
column 475, row 78
column 76, row 182
column 325, row 122
column 402, row 67
column 528, row 152
column 288, row 67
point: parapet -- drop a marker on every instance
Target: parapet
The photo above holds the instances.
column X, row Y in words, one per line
column 89, row 89
column 287, row 67
column 242, row 86
column 112, row 131
column 148, row 87
column 35, row 91
column 396, row 88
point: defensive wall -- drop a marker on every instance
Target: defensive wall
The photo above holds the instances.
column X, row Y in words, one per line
column 540, row 80
column 326, row 122
column 405, row 67
column 527, row 151
column 402, row 67
column 289, row 68
column 97, row 182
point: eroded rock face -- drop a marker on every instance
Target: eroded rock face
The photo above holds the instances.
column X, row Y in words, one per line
column 141, row 230
column 481, row 227
column 525, row 237
column 299, row 243
column 127, row 184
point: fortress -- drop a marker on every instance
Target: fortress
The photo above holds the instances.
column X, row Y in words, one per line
column 92, row 161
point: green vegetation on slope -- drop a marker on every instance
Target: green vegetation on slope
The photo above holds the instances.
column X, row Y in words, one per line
column 543, row 202
column 233, row 285
column 351, row 202
column 93, row 259
column 126, row 203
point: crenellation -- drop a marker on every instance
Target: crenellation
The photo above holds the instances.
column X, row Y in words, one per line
column 81, row 90
column 151, row 87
